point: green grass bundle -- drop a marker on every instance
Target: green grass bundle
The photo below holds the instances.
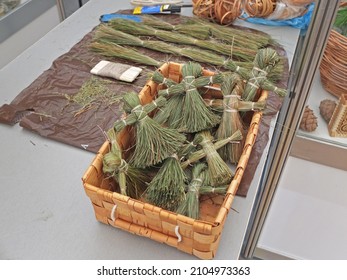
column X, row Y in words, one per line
column 200, row 154
column 167, row 189
column 231, row 119
column 194, row 30
column 113, row 50
column 190, row 205
column 106, row 34
column 109, row 46
column 132, row 181
column 139, row 29
column 187, row 111
column 154, row 142
column 242, row 106
column 199, row 185
column 218, row 171
column 234, row 36
column 264, row 62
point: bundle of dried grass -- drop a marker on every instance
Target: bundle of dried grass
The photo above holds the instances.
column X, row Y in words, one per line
column 200, row 154
column 231, row 119
column 136, row 28
column 113, row 50
column 132, row 181
column 242, row 106
column 218, row 171
column 234, row 36
column 199, row 185
column 105, row 47
column 264, row 63
column 154, row 143
column 193, row 30
column 167, row 189
column 193, row 114
column 190, row 205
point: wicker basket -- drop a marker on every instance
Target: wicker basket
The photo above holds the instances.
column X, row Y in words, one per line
column 333, row 68
column 198, row 237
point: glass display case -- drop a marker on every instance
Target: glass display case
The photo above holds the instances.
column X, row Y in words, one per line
column 302, row 199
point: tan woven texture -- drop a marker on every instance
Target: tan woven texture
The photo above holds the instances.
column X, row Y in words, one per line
column 338, row 122
column 197, row 237
column 333, row 68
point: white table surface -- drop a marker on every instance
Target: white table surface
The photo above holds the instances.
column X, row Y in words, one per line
column 44, row 211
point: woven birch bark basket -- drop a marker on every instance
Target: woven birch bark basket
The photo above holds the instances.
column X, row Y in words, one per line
column 199, row 237
column 333, row 68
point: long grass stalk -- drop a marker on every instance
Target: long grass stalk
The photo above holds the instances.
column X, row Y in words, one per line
column 154, row 143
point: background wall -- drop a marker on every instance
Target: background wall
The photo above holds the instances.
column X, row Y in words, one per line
column 28, row 35
column 34, row 30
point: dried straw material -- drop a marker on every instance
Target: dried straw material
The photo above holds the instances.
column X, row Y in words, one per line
column 231, row 119
column 167, row 189
column 140, row 29
column 264, row 63
column 234, row 36
column 132, row 181
column 199, row 237
column 108, row 45
column 192, row 112
column 200, row 154
column 190, row 205
column 109, row 38
column 154, row 143
column 193, row 30
column 242, row 106
column 92, row 94
column 218, row 171
column 113, row 50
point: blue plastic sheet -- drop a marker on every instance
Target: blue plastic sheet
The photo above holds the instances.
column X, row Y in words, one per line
column 298, row 22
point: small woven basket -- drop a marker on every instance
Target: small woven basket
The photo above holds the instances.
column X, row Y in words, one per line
column 197, row 237
column 333, row 68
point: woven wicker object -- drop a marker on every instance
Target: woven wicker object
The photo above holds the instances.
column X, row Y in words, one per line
column 338, row 122
column 197, row 237
column 333, row 68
